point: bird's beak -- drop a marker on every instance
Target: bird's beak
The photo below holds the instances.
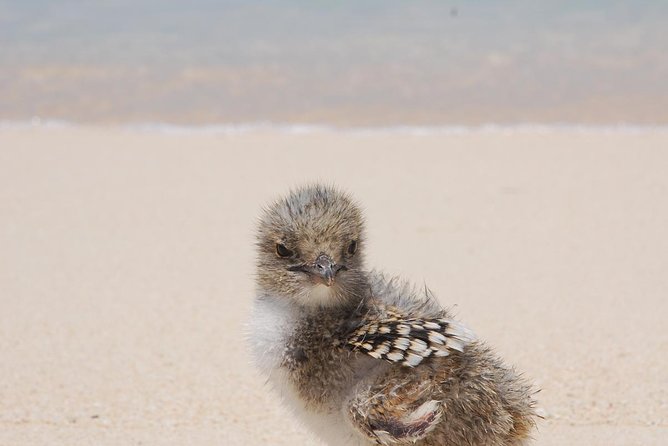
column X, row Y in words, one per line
column 324, row 269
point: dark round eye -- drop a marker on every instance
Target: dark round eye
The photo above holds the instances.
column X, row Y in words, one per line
column 352, row 248
column 282, row 251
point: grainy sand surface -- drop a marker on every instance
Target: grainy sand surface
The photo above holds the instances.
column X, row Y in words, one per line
column 126, row 265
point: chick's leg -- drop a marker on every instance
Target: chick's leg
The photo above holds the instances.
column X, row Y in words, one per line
column 396, row 409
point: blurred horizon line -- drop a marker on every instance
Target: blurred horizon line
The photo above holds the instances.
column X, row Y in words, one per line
column 238, row 128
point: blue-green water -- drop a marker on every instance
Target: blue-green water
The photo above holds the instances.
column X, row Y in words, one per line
column 362, row 63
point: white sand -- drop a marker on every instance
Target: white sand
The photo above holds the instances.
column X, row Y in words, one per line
column 126, row 265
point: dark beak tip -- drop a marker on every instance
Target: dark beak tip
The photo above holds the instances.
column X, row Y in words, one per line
column 324, row 269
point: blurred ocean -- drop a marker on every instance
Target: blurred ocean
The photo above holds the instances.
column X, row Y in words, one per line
column 322, row 64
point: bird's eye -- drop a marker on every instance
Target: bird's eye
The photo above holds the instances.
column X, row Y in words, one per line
column 352, row 248
column 282, row 251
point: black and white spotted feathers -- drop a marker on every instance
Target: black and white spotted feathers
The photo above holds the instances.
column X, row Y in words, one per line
column 409, row 341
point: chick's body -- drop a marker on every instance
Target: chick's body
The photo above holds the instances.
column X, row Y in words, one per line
column 365, row 360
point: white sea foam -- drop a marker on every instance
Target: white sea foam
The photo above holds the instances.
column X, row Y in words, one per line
column 233, row 129
column 35, row 122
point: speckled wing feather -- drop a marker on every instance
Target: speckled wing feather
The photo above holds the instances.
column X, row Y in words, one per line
column 397, row 338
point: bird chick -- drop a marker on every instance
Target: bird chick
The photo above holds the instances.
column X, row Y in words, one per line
column 363, row 359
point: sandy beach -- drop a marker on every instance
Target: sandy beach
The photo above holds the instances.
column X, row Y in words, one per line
column 126, row 272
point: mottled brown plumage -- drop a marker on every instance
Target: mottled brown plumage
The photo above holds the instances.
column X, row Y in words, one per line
column 362, row 359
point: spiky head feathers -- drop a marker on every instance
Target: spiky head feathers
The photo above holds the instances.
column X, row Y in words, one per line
column 310, row 247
